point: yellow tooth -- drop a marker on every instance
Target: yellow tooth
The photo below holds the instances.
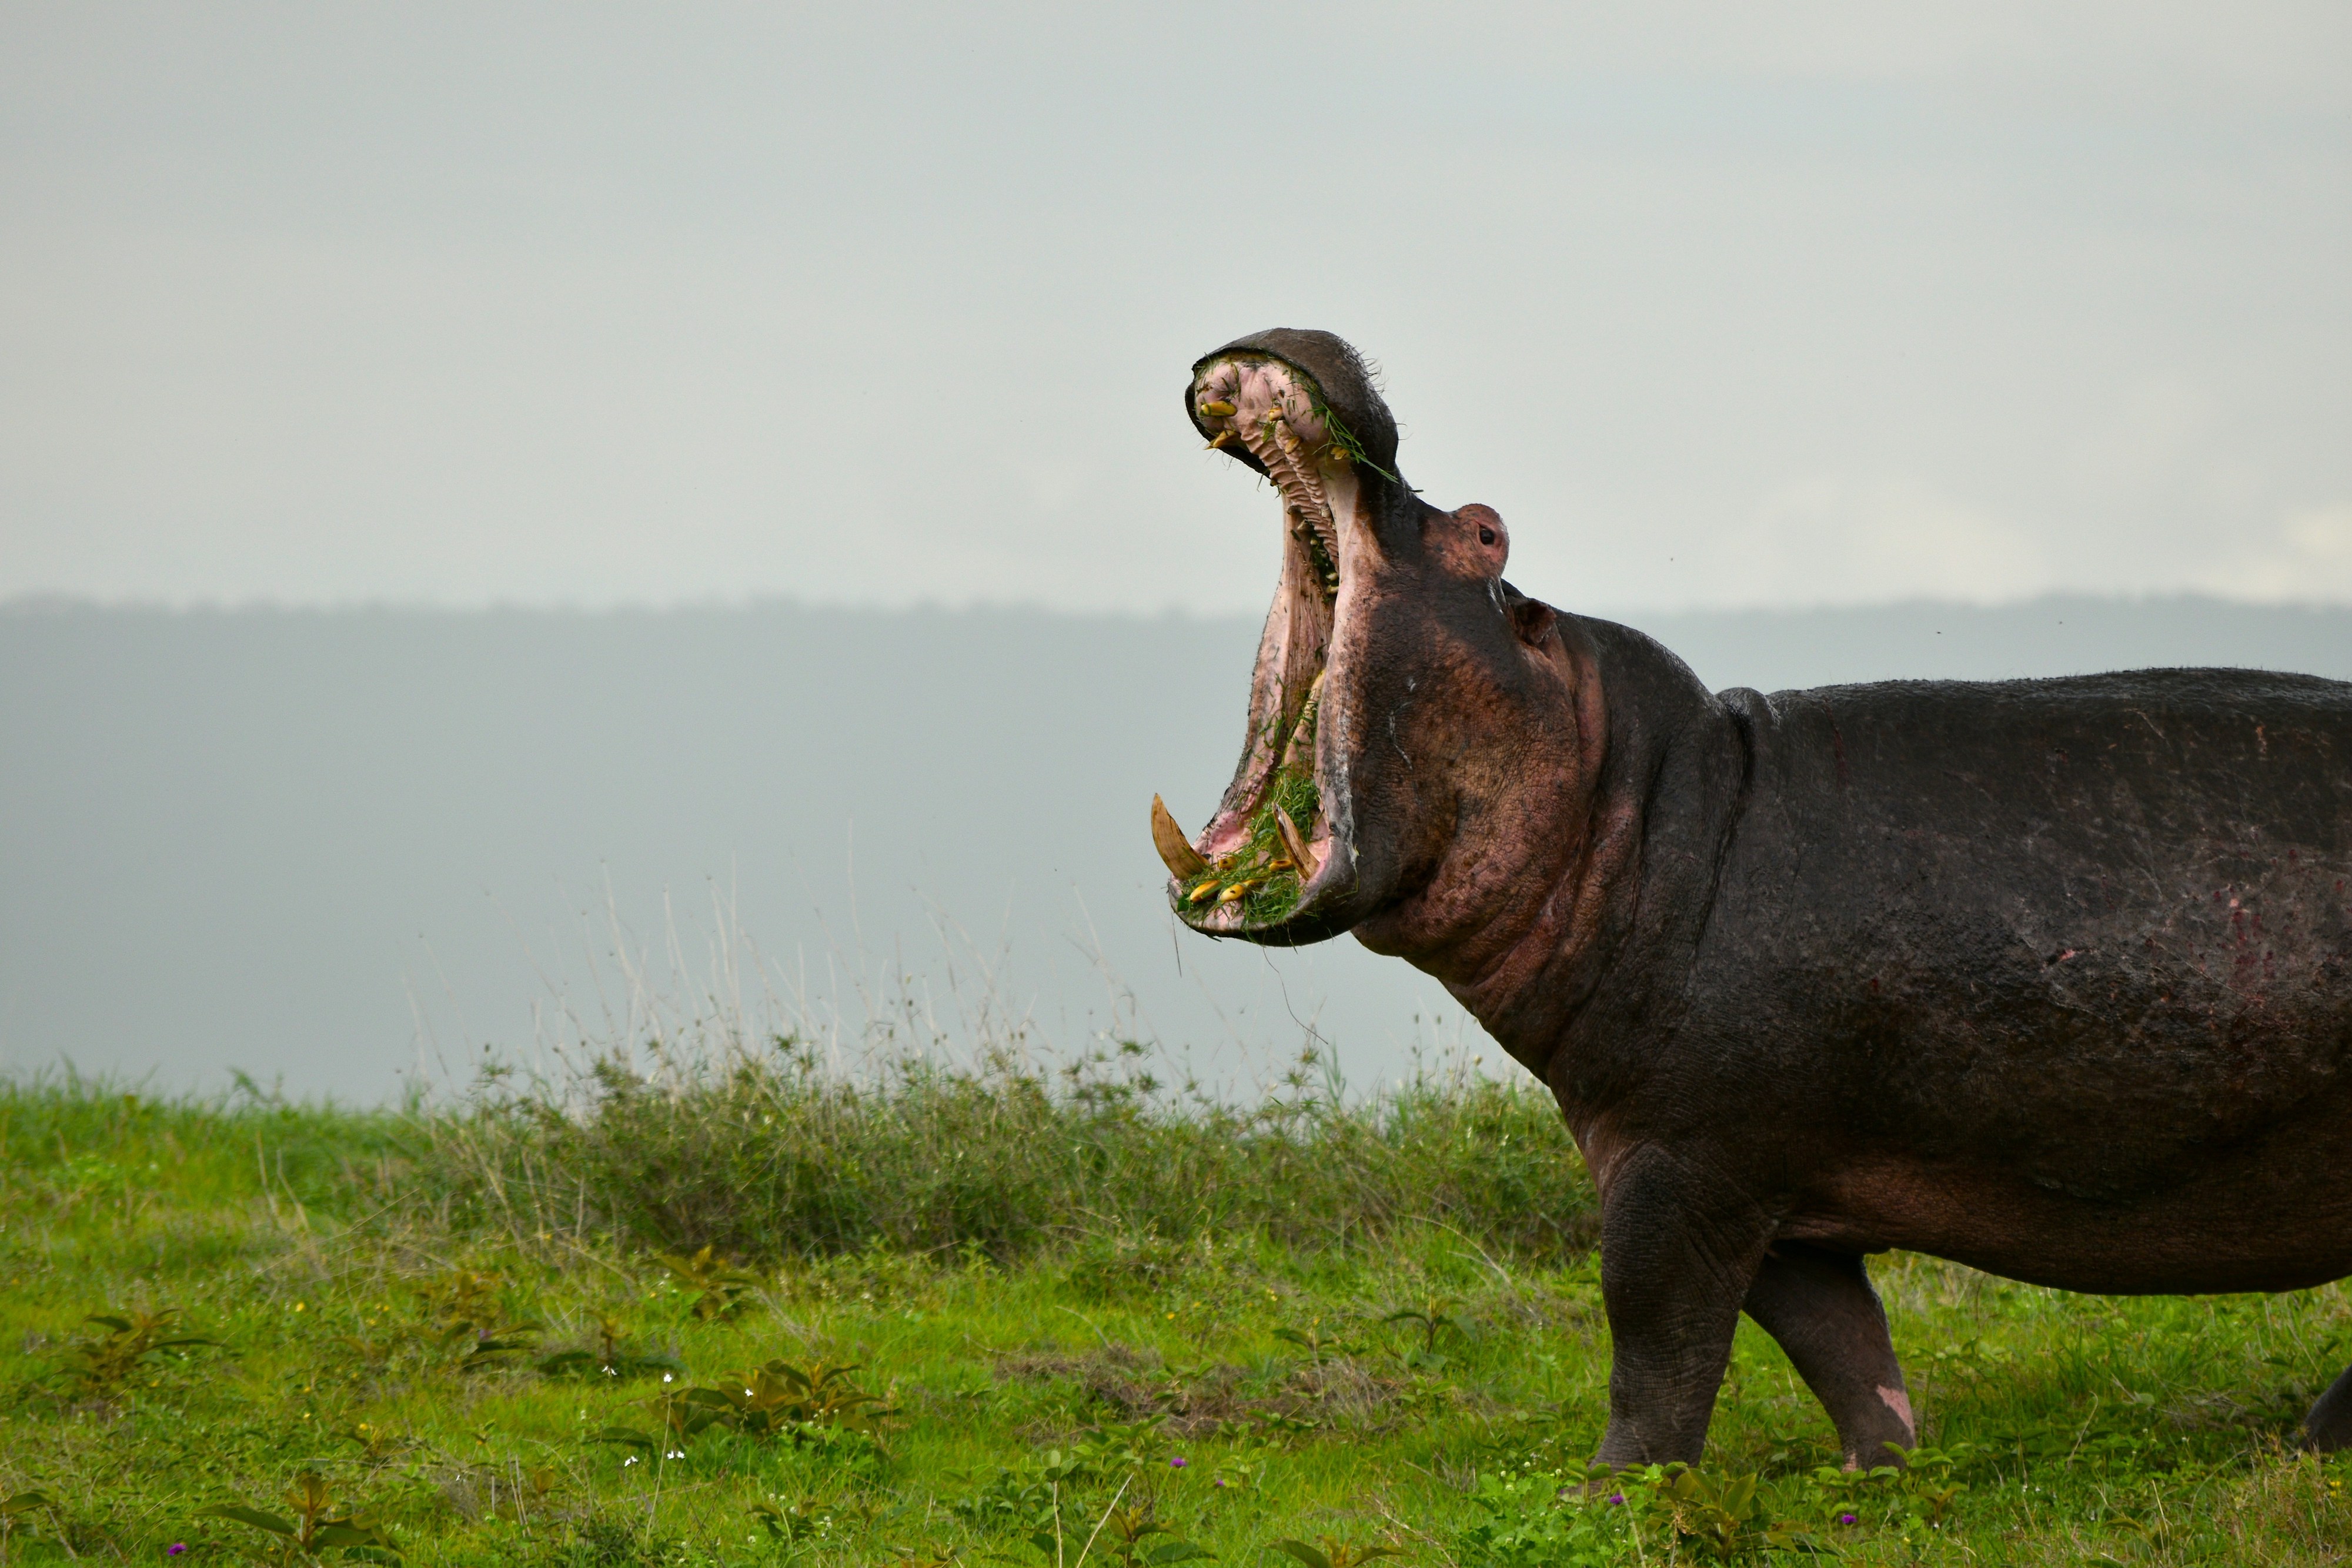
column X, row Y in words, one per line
column 1224, row 438
column 1241, row 890
column 1294, row 843
column 1200, row 894
column 1219, row 409
column 1176, row 852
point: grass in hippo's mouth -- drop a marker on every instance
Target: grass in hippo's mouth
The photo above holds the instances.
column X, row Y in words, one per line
column 1259, row 876
column 1345, row 441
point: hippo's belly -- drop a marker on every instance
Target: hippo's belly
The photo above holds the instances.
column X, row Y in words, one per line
column 2167, row 1107
column 2274, row 1215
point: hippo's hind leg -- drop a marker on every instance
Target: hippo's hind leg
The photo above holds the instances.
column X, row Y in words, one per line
column 2329, row 1424
column 1819, row 1306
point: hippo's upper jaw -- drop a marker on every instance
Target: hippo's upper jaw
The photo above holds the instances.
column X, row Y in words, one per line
column 1276, row 863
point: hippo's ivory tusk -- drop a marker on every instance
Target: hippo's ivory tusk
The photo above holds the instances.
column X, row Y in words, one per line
column 1176, row 852
column 1294, row 844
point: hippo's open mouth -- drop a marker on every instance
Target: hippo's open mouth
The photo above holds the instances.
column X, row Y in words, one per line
column 1267, row 856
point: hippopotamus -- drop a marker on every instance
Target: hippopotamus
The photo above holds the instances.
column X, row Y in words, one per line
column 2049, row 977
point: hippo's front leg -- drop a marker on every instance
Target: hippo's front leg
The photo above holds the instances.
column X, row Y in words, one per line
column 1679, row 1247
column 1819, row 1306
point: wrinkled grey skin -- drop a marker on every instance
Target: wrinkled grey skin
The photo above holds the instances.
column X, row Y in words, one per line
column 2049, row 977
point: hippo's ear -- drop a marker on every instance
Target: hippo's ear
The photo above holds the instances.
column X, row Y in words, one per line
column 1532, row 618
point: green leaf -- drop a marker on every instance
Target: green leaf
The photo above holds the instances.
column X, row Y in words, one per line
column 623, row 1435
column 499, row 1346
column 185, row 1342
column 252, row 1516
column 347, row 1533
column 1177, row 1552
column 1305, row 1554
column 24, row 1502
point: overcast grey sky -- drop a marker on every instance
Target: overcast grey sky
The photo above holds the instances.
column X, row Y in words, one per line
column 1720, row 304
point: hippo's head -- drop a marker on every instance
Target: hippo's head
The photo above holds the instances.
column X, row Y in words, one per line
column 1417, row 727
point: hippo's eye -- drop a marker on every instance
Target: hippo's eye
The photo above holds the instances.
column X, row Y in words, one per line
column 1486, row 535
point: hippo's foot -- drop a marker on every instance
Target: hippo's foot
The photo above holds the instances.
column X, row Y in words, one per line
column 2329, row 1424
column 1819, row 1306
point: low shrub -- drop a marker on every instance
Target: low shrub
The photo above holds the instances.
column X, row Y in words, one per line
column 768, row 1155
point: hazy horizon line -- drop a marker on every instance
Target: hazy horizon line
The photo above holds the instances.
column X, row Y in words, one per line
column 47, row 604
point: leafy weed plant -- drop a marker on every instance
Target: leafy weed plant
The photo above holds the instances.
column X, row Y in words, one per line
column 128, row 1350
column 314, row 1530
column 719, row 1287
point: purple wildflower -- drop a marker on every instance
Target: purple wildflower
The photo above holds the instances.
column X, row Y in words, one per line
column 1177, row 1463
column 1847, row 1519
column 1616, row 1497
column 177, row 1549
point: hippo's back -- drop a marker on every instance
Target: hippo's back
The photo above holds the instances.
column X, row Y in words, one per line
column 2171, row 753
column 2121, row 804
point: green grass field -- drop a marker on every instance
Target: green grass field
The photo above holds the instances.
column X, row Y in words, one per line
column 1085, row 1319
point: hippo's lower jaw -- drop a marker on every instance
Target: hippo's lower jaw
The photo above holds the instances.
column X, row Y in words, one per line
column 1269, row 866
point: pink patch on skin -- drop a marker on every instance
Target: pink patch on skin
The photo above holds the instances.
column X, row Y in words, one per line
column 1899, row 1402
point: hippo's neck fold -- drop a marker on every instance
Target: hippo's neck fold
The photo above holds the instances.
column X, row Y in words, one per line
column 1580, row 972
